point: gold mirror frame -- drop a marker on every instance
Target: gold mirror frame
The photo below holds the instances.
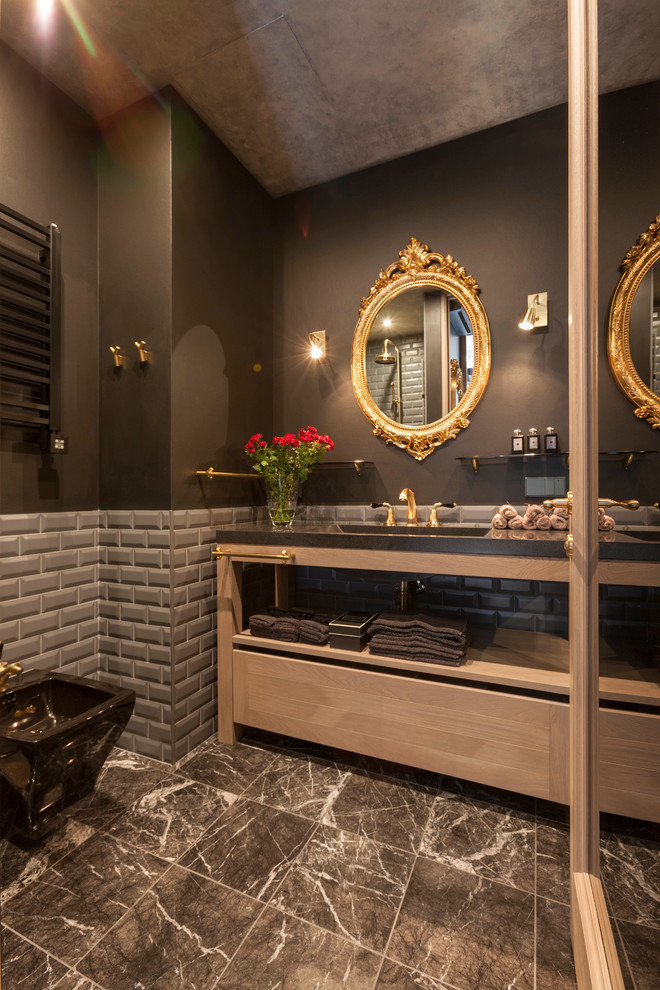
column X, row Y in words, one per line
column 641, row 257
column 417, row 266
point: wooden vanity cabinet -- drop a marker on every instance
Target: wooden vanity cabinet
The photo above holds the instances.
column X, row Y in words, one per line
column 499, row 719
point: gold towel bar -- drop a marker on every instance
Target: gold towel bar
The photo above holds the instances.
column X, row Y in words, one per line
column 283, row 556
column 212, row 473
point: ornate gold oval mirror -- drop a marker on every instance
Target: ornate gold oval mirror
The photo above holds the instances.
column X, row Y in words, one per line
column 633, row 344
column 421, row 351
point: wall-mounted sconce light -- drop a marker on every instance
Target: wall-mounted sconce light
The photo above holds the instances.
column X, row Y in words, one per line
column 142, row 351
column 117, row 355
column 536, row 314
column 317, row 345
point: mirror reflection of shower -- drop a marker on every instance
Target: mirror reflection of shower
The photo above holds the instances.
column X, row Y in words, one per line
column 386, row 358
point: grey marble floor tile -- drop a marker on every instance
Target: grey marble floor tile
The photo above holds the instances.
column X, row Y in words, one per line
column 348, row 884
column 76, row 901
column 25, row 967
column 393, row 976
column 642, row 947
column 283, row 953
column 554, row 955
column 123, row 780
column 172, row 816
column 22, row 862
column 465, row 930
column 229, row 768
column 630, row 870
column 250, row 847
column 74, row 981
column 486, row 841
column 179, row 936
column 302, row 786
column 553, row 870
column 386, row 811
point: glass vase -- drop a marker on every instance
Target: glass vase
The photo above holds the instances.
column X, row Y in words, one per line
column 282, row 494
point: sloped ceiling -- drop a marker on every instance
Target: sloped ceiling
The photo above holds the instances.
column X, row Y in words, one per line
column 303, row 91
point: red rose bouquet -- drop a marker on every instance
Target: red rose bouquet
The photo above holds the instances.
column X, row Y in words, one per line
column 284, row 463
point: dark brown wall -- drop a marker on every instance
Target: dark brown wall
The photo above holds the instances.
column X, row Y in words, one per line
column 222, row 284
column 135, row 274
column 496, row 201
column 48, row 172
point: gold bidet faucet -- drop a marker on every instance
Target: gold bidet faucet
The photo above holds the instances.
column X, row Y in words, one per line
column 408, row 495
column 6, row 670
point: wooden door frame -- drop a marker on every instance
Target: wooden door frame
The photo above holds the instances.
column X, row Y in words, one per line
column 596, row 961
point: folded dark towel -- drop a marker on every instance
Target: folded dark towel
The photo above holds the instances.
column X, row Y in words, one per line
column 414, row 647
column 443, row 628
column 314, row 632
column 402, row 652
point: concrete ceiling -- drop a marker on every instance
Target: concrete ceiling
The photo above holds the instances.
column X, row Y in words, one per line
column 307, row 90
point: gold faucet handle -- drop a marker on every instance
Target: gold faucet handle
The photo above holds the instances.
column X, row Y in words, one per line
column 390, row 521
column 433, row 515
column 607, row 503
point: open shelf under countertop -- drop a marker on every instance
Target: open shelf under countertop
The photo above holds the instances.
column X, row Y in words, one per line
column 508, row 657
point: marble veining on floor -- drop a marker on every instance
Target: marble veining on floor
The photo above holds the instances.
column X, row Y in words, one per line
column 280, row 865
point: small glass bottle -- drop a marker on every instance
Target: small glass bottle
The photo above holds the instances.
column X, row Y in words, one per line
column 533, row 441
column 517, row 442
column 550, row 440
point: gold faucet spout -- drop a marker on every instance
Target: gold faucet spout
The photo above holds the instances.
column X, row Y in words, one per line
column 6, row 670
column 408, row 495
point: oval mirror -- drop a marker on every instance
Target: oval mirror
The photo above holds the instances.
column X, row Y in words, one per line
column 634, row 327
column 421, row 351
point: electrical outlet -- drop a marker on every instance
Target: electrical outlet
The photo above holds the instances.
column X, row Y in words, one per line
column 58, row 444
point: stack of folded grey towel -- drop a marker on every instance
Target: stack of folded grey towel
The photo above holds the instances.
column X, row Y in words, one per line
column 420, row 636
column 292, row 625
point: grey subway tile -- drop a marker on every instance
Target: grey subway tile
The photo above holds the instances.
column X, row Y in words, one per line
column 35, row 625
column 18, row 608
column 80, row 575
column 22, row 649
column 133, row 650
column 179, row 519
column 21, row 566
column 18, row 523
column 59, row 560
column 149, row 596
column 147, row 519
column 119, row 519
column 9, row 631
column 133, row 538
column 159, row 540
column 10, row 546
column 89, row 519
column 57, row 521
column 34, row 584
column 159, row 654
column 9, row 589
column 78, row 651
column 147, row 558
column 56, row 600
column 134, row 575
column 149, row 671
column 58, row 638
column 83, row 539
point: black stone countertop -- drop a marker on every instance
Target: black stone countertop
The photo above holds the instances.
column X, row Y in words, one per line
column 616, row 545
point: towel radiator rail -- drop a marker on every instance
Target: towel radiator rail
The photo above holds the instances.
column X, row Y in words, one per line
column 30, row 324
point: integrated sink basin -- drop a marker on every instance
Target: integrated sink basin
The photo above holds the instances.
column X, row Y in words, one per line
column 370, row 529
column 651, row 535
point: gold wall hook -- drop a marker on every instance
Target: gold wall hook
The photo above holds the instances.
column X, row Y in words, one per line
column 117, row 355
column 142, row 351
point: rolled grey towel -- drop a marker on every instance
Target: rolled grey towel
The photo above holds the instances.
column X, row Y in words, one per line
column 499, row 522
column 507, row 511
column 558, row 522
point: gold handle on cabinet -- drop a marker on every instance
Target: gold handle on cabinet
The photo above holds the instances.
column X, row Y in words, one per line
column 284, row 556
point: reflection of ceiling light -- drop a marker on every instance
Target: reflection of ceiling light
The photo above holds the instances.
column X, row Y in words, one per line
column 536, row 314
column 45, row 11
column 387, row 322
column 317, row 343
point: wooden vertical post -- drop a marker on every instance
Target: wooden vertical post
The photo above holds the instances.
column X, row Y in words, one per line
column 595, row 955
column 230, row 574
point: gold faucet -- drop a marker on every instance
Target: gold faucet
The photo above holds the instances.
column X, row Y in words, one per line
column 6, row 670
column 408, row 495
column 433, row 515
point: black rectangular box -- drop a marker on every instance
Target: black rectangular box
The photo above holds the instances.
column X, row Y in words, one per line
column 349, row 631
